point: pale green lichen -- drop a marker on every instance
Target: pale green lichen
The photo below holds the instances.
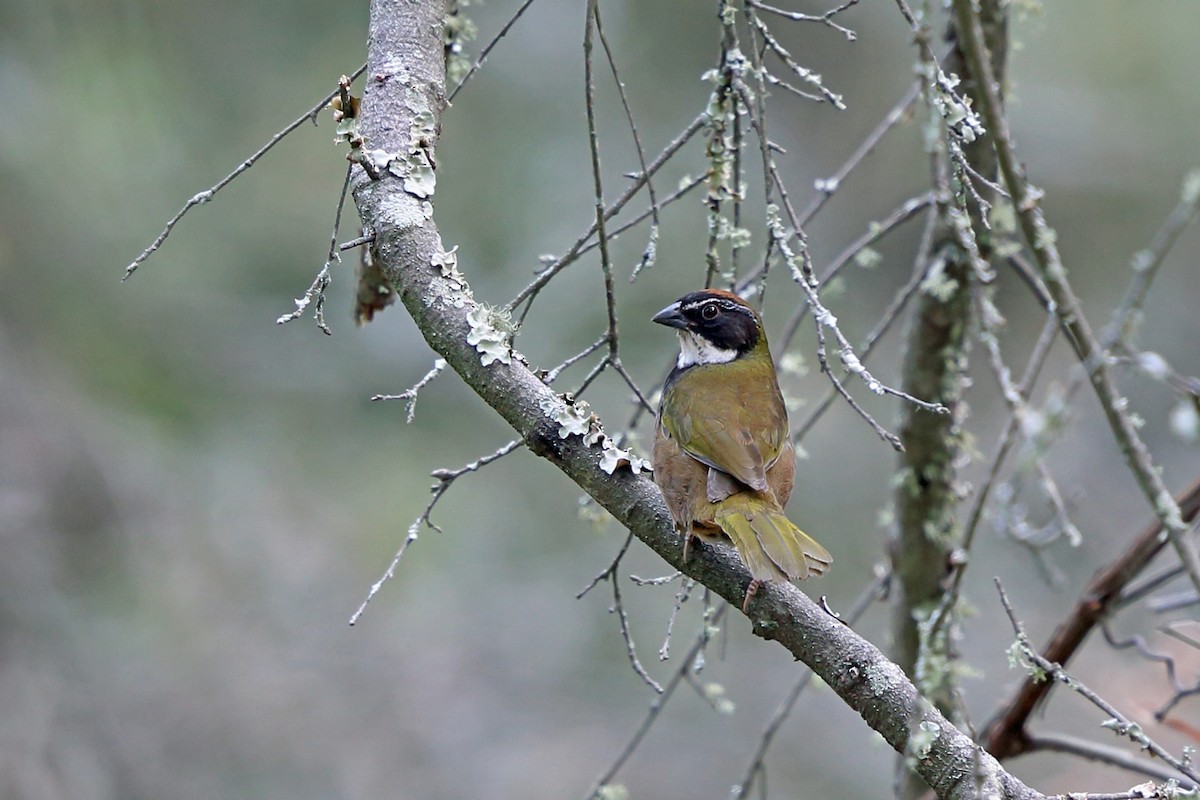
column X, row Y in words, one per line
column 726, row 231
column 346, row 130
column 459, row 30
column 1002, row 216
column 1184, row 420
column 868, row 258
column 714, row 693
column 614, row 457
column 1191, row 188
column 955, row 110
column 1131, row 730
column 449, row 288
column 417, row 170
column 447, row 264
column 419, row 177
column 937, row 283
column 575, row 418
column 491, row 332
column 922, row 739
column 1020, row 657
column 1046, row 237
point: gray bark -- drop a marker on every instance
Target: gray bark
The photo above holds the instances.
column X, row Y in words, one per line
column 406, row 78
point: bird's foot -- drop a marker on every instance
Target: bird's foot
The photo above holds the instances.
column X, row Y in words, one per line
column 751, row 590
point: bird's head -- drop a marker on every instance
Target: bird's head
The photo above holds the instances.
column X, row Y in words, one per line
column 714, row 327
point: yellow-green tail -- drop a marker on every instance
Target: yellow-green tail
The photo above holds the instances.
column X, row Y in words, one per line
column 770, row 545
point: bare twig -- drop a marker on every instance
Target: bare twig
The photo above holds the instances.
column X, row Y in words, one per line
column 1104, row 754
column 1145, row 263
column 885, row 322
column 618, row 608
column 1139, row 643
column 203, row 197
column 827, row 187
column 321, row 282
column 561, row 263
column 359, row 242
column 410, row 395
column 1117, row 722
column 445, row 478
column 649, row 253
column 803, row 73
column 685, row 669
column 483, row 54
column 1041, row 240
column 1005, row 735
column 876, row 231
column 873, row 592
column 553, row 374
column 825, row 19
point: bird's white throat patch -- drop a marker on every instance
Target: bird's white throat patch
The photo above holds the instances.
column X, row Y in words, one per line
column 694, row 349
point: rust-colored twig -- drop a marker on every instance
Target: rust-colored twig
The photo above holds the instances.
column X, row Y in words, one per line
column 1005, row 736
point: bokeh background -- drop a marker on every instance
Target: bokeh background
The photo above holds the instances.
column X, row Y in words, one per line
column 193, row 499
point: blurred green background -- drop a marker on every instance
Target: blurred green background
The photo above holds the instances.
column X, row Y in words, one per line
column 193, row 499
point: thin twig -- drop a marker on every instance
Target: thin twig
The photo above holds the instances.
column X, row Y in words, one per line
column 1103, row 754
column 483, row 54
column 203, row 197
column 1033, row 368
column 702, row 639
column 826, row 187
column 359, row 242
column 410, row 395
column 1139, row 643
column 802, row 274
column 1117, row 722
column 445, row 478
column 886, row 320
column 1015, row 399
column 561, row 263
column 321, row 282
column 553, row 374
column 825, row 19
column 649, row 253
column 803, row 73
column 618, row 607
column 876, row 231
column 873, row 592
column 1145, row 263
column 1005, row 735
column 593, row 15
column 1042, row 242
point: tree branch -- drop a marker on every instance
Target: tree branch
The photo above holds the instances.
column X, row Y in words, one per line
column 1041, row 239
column 1006, row 735
column 929, row 533
column 405, row 89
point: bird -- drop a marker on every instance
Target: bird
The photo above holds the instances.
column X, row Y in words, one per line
column 723, row 456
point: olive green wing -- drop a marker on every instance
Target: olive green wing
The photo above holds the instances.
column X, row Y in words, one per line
column 735, row 432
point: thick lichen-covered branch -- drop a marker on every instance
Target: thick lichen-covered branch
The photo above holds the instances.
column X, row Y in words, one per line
column 407, row 79
column 928, row 532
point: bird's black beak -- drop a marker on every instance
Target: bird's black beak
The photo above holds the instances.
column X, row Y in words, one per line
column 672, row 317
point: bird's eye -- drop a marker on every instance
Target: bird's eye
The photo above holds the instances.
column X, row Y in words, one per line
column 709, row 311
